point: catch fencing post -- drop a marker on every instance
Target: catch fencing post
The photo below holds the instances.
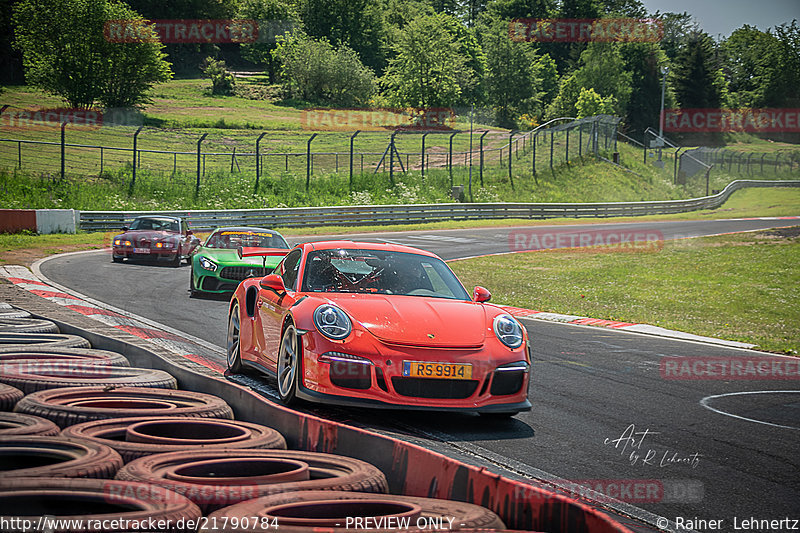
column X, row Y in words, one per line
column 762, row 162
column 135, row 141
column 63, row 147
column 423, row 155
column 566, row 155
column 197, row 185
column 675, row 166
column 510, row 140
column 308, row 161
column 481, row 142
column 258, row 159
column 450, row 159
column 391, row 158
column 352, row 139
column 580, row 141
column 533, row 158
column 551, row 149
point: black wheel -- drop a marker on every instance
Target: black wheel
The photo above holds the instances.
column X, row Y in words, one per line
column 234, row 357
column 176, row 261
column 116, row 259
column 288, row 365
column 192, row 289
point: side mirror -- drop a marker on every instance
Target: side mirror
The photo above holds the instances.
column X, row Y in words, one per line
column 125, row 228
column 481, row 295
column 273, row 282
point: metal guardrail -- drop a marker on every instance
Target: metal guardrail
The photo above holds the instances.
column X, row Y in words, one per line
column 420, row 213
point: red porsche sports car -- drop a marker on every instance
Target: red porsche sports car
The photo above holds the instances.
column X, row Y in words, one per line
column 155, row 238
column 381, row 325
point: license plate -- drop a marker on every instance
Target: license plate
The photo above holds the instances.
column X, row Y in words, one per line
column 141, row 250
column 418, row 369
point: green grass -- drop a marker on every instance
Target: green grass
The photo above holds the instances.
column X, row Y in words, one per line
column 742, row 287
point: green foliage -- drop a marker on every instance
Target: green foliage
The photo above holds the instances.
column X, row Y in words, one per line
column 590, row 103
column 313, row 70
column 429, row 69
column 697, row 79
column 222, row 80
column 644, row 62
column 274, row 17
column 65, row 52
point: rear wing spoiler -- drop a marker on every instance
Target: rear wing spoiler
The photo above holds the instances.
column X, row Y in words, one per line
column 253, row 251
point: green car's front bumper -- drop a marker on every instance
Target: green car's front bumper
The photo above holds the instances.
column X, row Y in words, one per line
column 229, row 272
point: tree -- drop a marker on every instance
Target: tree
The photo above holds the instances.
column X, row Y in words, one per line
column 590, row 104
column 222, row 80
column 428, row 70
column 274, row 18
column 357, row 24
column 697, row 79
column 678, row 30
column 644, row 61
column 511, row 76
column 65, row 53
column 312, row 69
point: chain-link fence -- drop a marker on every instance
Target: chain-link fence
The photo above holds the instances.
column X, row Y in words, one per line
column 187, row 156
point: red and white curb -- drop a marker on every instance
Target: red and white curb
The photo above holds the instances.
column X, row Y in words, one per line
column 177, row 342
column 622, row 326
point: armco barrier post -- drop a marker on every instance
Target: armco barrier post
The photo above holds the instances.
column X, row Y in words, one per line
column 352, row 140
column 308, row 161
column 63, row 147
column 481, row 143
column 197, row 185
column 135, row 141
column 258, row 159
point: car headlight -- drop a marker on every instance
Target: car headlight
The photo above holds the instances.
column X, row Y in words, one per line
column 332, row 322
column 208, row 264
column 508, row 331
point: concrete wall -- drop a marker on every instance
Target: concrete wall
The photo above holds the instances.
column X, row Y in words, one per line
column 42, row 221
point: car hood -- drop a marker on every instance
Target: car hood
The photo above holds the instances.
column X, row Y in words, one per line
column 138, row 235
column 226, row 257
column 417, row 320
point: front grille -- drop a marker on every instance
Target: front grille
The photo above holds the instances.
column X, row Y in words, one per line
column 240, row 273
column 453, row 389
column 213, row 284
column 507, row 382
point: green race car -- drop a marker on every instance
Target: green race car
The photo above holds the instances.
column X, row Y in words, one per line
column 217, row 266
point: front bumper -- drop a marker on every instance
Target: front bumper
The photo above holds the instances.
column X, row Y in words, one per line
column 155, row 254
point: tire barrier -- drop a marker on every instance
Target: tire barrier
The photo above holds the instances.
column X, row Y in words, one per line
column 84, row 500
column 62, row 356
column 34, row 456
column 13, row 313
column 73, row 405
column 137, row 437
column 17, row 424
column 9, row 396
column 340, row 511
column 27, row 325
column 10, row 342
column 217, row 478
column 34, row 379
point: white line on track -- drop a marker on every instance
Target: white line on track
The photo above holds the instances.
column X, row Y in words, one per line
column 705, row 403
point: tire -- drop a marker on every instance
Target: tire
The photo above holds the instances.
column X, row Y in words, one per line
column 9, row 396
column 205, row 434
column 14, row 313
column 14, row 341
column 289, row 356
column 62, row 356
column 234, row 355
column 116, row 259
column 130, row 504
column 193, row 292
column 73, row 405
column 44, row 377
column 292, row 511
column 18, row 424
column 256, row 469
column 176, row 261
column 27, row 325
column 33, row 456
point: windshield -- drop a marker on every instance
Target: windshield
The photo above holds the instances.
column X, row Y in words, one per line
column 380, row 272
column 156, row 224
column 232, row 239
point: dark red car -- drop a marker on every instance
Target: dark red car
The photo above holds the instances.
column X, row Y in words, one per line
column 155, row 238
